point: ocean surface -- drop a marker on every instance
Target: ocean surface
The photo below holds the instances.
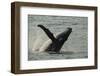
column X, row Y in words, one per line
column 75, row 47
column 54, row 56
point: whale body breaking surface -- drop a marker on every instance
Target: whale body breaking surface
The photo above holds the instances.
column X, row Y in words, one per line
column 54, row 44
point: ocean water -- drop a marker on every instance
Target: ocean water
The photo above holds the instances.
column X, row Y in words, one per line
column 54, row 56
column 75, row 47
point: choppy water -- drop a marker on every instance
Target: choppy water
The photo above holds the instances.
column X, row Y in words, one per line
column 54, row 56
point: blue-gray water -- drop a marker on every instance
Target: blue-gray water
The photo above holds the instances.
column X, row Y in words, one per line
column 54, row 56
column 75, row 47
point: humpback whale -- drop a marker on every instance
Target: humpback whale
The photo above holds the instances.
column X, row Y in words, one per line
column 58, row 41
